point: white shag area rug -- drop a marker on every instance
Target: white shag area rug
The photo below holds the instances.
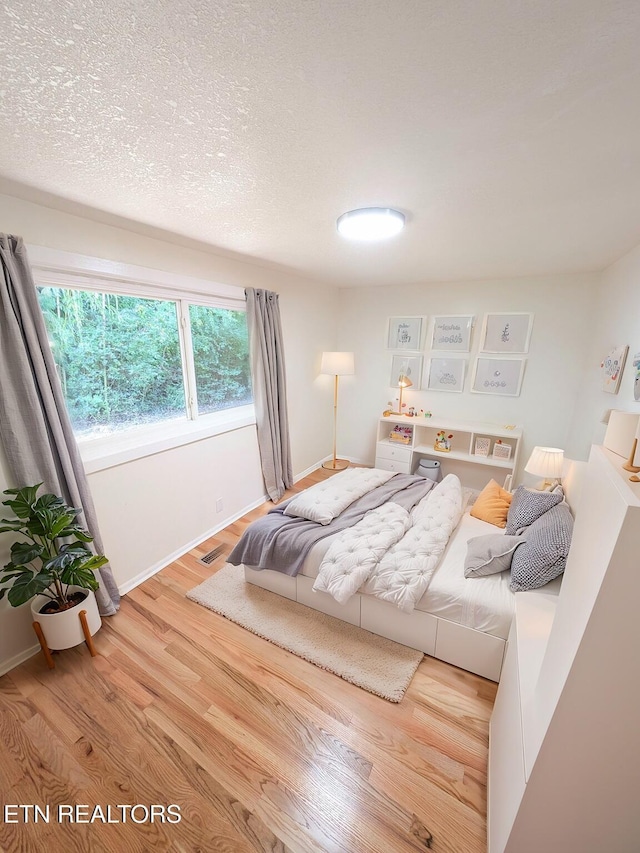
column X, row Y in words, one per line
column 367, row 660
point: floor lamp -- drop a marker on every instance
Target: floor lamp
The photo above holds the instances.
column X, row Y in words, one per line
column 336, row 364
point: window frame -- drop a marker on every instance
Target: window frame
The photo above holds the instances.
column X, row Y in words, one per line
column 53, row 268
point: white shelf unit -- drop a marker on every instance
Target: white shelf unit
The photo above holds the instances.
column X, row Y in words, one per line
column 564, row 750
column 473, row 470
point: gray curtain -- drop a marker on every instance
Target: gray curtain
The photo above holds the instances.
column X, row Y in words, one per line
column 269, row 390
column 34, row 425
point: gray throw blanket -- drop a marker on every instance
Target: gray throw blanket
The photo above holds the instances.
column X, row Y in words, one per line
column 279, row 542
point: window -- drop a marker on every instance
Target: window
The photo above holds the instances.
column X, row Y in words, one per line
column 125, row 361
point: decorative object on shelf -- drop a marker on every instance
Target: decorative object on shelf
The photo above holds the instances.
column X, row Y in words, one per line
column 501, row 451
column 498, row 376
column 636, row 378
column 443, row 442
column 445, row 374
column 546, row 462
column 405, row 333
column 612, row 366
column 504, row 333
column 403, row 382
column 408, row 366
column 452, row 332
column 402, row 434
column 482, row 446
column 336, row 364
column 54, row 568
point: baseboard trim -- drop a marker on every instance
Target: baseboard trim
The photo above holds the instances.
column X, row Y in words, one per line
column 7, row 665
column 127, row 586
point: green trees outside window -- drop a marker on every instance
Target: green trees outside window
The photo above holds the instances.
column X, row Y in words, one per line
column 121, row 363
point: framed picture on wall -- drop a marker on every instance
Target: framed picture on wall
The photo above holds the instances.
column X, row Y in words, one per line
column 452, row 332
column 506, row 332
column 612, row 366
column 498, row 376
column 405, row 333
column 406, row 365
column 445, row 374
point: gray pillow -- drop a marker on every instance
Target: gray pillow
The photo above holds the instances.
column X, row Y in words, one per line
column 488, row 555
column 526, row 506
column 544, row 553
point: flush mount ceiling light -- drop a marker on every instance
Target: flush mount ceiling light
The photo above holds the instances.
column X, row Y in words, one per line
column 371, row 223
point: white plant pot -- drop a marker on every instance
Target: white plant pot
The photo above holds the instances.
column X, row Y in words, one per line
column 64, row 630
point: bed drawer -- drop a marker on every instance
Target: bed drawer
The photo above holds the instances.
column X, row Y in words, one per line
column 392, row 465
column 397, row 452
column 416, row 630
column 273, row 581
column 348, row 612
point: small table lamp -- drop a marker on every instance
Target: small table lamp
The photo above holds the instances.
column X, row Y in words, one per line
column 546, row 462
column 403, row 382
column 336, row 364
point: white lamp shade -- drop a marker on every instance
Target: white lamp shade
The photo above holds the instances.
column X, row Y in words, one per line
column 546, row 462
column 621, row 430
column 337, row 363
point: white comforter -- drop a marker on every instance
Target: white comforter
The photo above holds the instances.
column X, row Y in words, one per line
column 392, row 552
column 324, row 501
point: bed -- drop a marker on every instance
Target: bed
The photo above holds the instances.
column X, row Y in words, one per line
column 462, row 621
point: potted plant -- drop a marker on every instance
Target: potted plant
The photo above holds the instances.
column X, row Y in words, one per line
column 52, row 566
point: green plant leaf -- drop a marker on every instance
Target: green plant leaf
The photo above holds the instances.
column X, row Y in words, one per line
column 59, row 524
column 11, row 525
column 69, row 555
column 24, row 552
column 3, row 592
column 95, row 562
column 80, row 576
column 24, row 500
column 49, row 501
column 24, row 589
column 77, row 531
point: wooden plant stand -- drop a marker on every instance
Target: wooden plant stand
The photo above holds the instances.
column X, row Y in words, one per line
column 46, row 651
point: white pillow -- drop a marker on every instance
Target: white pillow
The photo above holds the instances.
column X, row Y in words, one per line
column 490, row 554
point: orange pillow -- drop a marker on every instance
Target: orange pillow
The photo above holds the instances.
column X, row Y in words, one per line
column 492, row 504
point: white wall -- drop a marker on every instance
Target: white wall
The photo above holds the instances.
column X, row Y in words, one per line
column 618, row 322
column 563, row 308
column 150, row 509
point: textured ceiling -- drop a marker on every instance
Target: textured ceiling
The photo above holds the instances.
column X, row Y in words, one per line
column 508, row 132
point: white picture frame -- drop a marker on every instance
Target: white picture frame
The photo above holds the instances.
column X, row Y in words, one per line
column 612, row 366
column 501, row 376
column 445, row 374
column 502, row 451
column 452, row 332
column 405, row 333
column 482, row 446
column 508, row 332
column 409, row 365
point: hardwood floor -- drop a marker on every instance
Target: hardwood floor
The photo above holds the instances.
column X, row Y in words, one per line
column 261, row 750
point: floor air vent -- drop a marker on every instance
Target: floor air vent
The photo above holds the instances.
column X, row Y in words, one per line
column 212, row 555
